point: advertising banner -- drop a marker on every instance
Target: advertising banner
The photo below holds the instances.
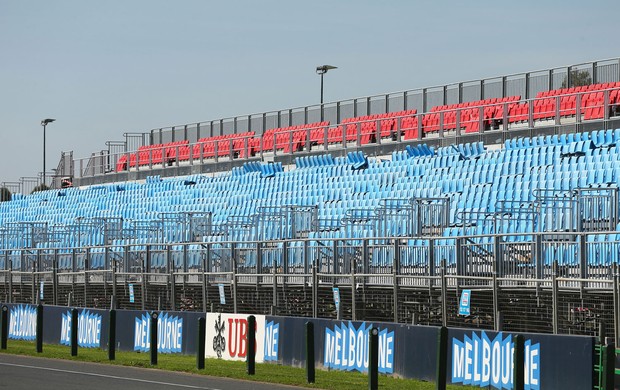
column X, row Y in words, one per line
column 226, row 336
column 408, row 351
column 485, row 359
column 176, row 331
column 92, row 325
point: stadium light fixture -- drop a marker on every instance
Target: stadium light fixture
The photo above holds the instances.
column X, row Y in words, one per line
column 44, row 123
column 321, row 70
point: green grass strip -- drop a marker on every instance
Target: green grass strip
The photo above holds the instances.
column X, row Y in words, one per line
column 269, row 373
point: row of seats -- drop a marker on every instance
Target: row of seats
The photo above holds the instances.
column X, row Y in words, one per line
column 392, row 125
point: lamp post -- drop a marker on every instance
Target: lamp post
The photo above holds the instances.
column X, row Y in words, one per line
column 321, row 70
column 44, row 123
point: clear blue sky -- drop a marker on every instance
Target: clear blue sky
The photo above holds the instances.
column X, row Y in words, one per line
column 102, row 68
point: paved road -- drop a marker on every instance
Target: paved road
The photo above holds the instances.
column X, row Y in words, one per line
column 25, row 372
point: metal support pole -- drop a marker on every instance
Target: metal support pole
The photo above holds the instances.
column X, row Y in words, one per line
column 442, row 359
column 39, row 328
column 373, row 359
column 74, row 332
column 200, row 350
column 616, row 292
column 233, row 258
column 4, row 327
column 395, row 278
column 554, row 293
column 310, row 365
column 315, row 293
column 251, row 356
column 112, row 335
column 353, row 289
column 519, row 363
column 444, row 305
column 153, row 338
column 55, row 278
column 114, row 295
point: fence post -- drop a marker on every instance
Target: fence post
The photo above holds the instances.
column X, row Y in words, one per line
column 39, row 328
column 74, row 332
column 315, row 292
column 554, row 293
column 55, row 278
column 444, row 294
column 153, row 319
column 518, row 363
column 4, row 331
column 609, row 366
column 233, row 259
column 395, row 278
column 251, row 349
column 200, row 351
column 310, row 368
column 616, row 294
column 112, row 335
column 373, row 359
column 442, row 359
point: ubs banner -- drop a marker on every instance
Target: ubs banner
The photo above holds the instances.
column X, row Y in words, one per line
column 226, row 336
column 484, row 359
column 408, row 351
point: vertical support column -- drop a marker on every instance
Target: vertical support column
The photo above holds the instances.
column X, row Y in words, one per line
column 233, row 259
column 251, row 348
column 310, row 365
column 353, row 289
column 616, row 311
column 4, row 327
column 583, row 258
column 154, row 318
column 315, row 292
column 395, row 277
column 554, row 293
column 171, row 276
column 39, row 328
column 444, row 305
column 495, row 296
column 518, row 378
column 205, row 260
column 112, row 335
column 373, row 359
column 442, row 359
column 200, row 349
column 55, row 278
column 74, row 332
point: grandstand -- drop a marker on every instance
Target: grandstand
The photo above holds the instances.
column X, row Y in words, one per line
column 513, row 198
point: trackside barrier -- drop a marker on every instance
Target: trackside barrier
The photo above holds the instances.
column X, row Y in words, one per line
column 474, row 357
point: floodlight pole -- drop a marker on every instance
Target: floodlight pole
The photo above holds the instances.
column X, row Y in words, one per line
column 44, row 123
column 321, row 70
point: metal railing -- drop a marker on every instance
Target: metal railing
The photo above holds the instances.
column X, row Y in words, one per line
column 566, row 286
column 443, row 131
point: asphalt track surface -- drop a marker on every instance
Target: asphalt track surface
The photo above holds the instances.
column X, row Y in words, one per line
column 25, row 372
